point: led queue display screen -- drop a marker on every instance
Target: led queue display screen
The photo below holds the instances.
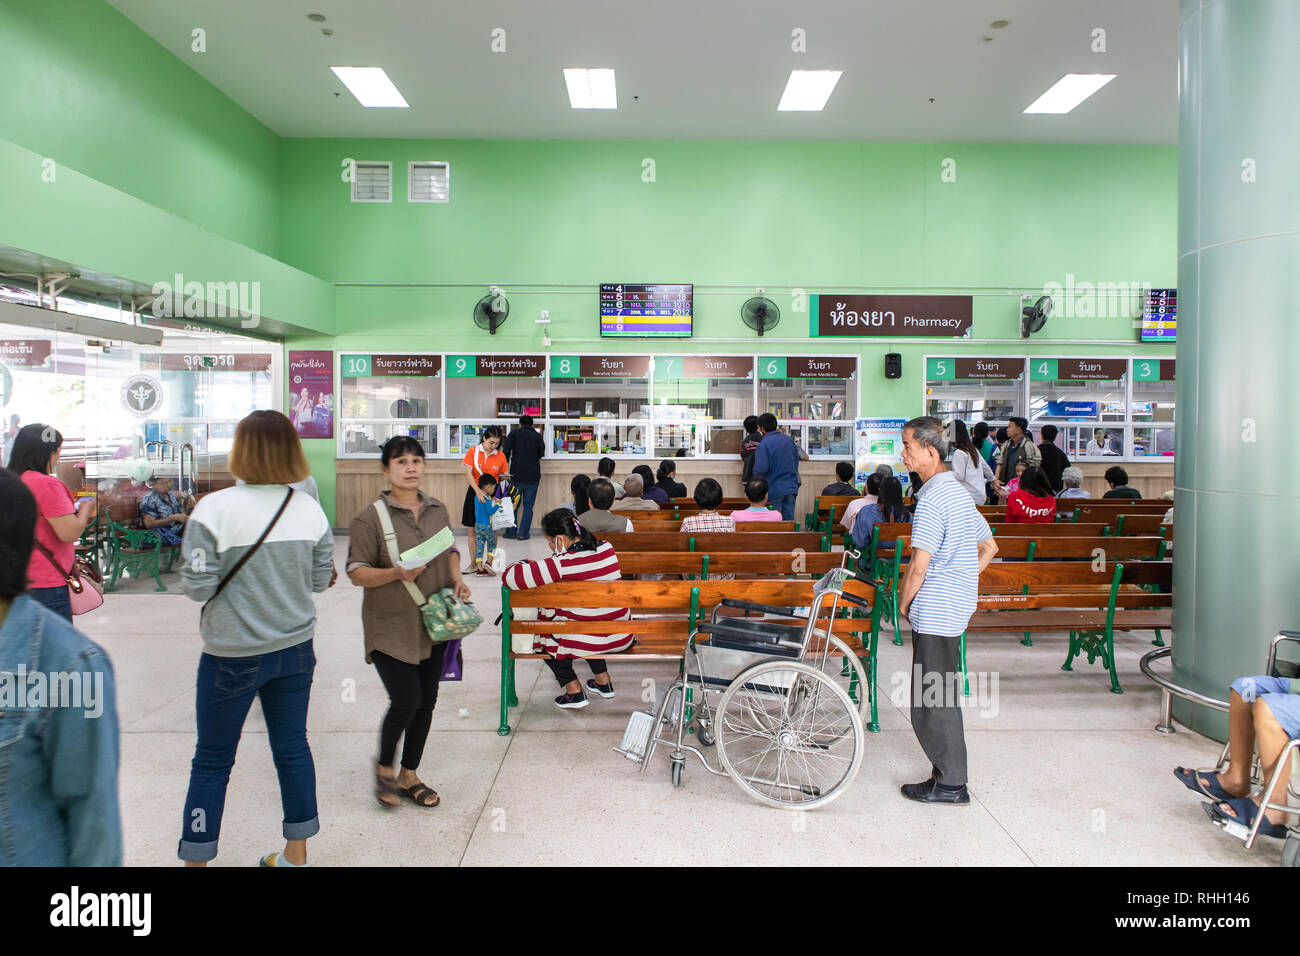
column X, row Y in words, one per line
column 638, row 311
column 1160, row 315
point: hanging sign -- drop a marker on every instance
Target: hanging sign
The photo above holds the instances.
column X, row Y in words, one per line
column 890, row 315
column 1077, row 370
column 496, row 366
column 973, row 369
column 704, row 366
column 808, row 366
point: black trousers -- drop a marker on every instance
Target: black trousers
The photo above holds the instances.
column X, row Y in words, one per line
column 936, row 705
column 412, row 693
column 564, row 672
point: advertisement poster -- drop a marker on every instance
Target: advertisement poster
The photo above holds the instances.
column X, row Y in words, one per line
column 311, row 393
column 879, row 441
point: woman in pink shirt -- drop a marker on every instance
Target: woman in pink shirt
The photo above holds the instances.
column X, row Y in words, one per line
column 756, row 492
column 35, row 458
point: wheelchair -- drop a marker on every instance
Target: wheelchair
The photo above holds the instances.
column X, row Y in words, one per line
column 1291, row 848
column 786, row 725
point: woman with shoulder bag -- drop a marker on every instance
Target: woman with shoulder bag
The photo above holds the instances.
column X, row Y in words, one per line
column 397, row 642
column 34, row 457
column 257, row 552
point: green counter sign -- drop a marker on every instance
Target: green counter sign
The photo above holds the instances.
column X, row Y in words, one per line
column 772, row 367
column 1042, row 370
column 462, row 366
column 564, row 366
column 940, row 369
column 354, row 366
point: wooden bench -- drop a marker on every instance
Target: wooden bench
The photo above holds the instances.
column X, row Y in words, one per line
column 1130, row 524
column 672, row 524
column 787, row 541
column 727, row 503
column 825, row 508
column 678, row 607
column 1091, row 603
column 764, row 563
column 1110, row 511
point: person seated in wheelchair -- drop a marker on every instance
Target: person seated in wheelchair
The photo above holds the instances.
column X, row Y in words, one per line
column 165, row 512
column 1265, row 712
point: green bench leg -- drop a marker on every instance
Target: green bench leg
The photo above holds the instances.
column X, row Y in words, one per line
column 1027, row 640
column 1072, row 652
column 513, row 700
column 1158, row 642
column 507, row 665
column 965, row 674
column 1110, row 661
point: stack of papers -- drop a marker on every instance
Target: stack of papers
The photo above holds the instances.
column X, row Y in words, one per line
column 425, row 551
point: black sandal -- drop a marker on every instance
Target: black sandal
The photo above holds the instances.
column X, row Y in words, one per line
column 384, row 786
column 418, row 793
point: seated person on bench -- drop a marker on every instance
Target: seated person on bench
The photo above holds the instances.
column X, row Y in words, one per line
column 1033, row 501
column 756, row 492
column 633, row 501
column 888, row 508
column 843, row 485
column 873, row 492
column 1263, row 711
column 165, row 512
column 575, row 556
column 708, row 495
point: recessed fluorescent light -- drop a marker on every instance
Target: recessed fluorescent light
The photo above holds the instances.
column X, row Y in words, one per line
column 1068, row 92
column 591, row 89
column 370, row 85
column 808, row 90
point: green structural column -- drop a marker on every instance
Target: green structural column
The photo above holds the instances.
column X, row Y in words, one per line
column 1237, row 546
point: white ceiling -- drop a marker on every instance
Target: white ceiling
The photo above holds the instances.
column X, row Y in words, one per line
column 702, row 69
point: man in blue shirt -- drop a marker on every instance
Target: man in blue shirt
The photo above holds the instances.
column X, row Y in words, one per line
column 951, row 545
column 777, row 461
column 524, row 449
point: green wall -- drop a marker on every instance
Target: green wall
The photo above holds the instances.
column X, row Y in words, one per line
column 84, row 86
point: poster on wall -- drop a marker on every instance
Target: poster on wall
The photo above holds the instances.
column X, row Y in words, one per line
column 311, row 393
column 879, row 441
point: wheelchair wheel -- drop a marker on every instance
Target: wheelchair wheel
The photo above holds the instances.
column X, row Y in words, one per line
column 789, row 735
column 1291, row 850
column 677, row 774
column 853, row 680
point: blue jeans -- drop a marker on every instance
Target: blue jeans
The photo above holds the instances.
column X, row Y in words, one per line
column 524, row 520
column 783, row 504
column 485, row 542
column 55, row 599
column 226, row 688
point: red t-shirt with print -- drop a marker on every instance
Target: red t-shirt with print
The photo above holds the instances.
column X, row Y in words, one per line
column 1024, row 507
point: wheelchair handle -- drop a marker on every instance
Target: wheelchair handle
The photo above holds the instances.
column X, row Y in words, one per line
column 765, row 608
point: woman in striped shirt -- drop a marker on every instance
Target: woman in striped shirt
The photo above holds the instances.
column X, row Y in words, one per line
column 576, row 556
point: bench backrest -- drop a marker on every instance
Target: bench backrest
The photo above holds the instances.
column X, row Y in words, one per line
column 1107, row 548
column 1106, row 511
column 773, row 564
column 1128, row 524
column 890, row 531
column 714, row 541
column 1046, row 575
column 669, row 523
column 670, row 596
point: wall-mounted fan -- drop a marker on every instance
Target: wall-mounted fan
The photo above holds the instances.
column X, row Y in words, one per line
column 760, row 313
column 1034, row 317
column 491, row 311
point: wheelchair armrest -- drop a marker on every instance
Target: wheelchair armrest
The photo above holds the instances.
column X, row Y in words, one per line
column 756, row 637
column 765, row 608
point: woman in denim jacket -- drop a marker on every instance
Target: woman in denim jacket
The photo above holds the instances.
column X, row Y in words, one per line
column 58, row 757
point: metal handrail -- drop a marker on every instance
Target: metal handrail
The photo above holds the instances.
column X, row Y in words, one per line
column 1168, row 689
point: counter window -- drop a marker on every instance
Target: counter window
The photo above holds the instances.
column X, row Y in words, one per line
column 974, row 389
column 804, row 391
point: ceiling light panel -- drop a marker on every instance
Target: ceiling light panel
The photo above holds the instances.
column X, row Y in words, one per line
column 1068, row 92
column 371, row 86
column 808, row 90
column 591, row 89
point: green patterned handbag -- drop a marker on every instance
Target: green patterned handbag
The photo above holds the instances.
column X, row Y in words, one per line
column 446, row 617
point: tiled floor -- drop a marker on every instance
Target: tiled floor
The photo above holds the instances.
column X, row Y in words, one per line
column 1062, row 771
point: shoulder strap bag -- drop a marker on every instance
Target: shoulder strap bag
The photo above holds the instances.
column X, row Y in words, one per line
column 221, row 585
column 85, row 586
column 446, row 617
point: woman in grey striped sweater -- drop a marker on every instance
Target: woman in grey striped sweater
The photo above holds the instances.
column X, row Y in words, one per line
column 256, row 553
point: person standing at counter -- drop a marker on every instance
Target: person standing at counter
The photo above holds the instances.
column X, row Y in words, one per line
column 485, row 458
column 777, row 461
column 34, row 457
column 1017, row 448
column 748, row 448
column 524, row 451
column 1055, row 461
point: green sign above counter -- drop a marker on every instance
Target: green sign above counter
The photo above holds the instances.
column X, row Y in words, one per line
column 948, row 316
column 808, row 366
column 496, row 366
column 973, row 369
column 364, row 366
column 1153, row 370
column 1077, row 370
column 704, row 366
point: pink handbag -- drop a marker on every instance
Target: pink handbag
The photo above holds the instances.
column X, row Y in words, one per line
column 85, row 586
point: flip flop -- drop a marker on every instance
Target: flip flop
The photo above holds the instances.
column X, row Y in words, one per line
column 1246, row 809
column 1192, row 781
column 418, row 794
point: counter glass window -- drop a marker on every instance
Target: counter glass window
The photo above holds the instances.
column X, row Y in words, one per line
column 599, row 405
column 1086, row 398
column 385, row 395
column 699, row 395
column 807, row 394
column 1152, row 408
column 974, row 389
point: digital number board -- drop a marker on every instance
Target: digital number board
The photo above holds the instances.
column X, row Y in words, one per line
column 1160, row 315
column 638, row 311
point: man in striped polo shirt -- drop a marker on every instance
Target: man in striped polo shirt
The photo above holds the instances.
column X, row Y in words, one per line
column 951, row 545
